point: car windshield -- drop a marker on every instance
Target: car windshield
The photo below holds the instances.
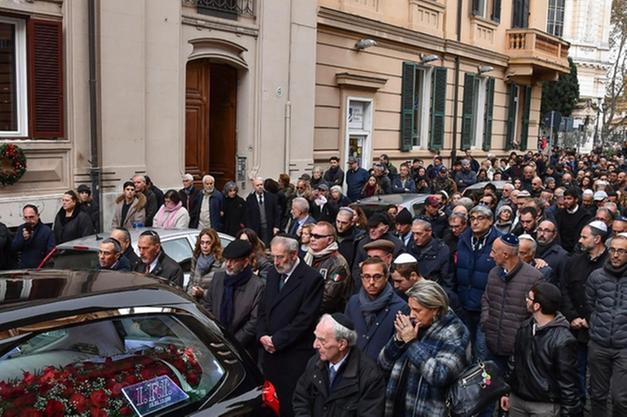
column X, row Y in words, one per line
column 72, row 259
column 146, row 365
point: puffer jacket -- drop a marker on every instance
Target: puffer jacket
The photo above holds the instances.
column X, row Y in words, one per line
column 606, row 295
column 503, row 306
column 544, row 365
column 338, row 285
column 473, row 269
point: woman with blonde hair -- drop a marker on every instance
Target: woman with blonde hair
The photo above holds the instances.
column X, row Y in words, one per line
column 206, row 260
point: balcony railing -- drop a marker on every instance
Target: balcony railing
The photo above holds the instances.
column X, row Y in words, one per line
column 228, row 9
column 532, row 43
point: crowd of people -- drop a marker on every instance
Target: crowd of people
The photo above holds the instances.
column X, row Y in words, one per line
column 377, row 316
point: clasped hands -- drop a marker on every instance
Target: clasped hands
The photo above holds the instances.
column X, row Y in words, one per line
column 405, row 329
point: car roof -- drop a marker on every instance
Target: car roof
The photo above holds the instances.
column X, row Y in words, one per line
column 396, row 199
column 93, row 241
column 479, row 185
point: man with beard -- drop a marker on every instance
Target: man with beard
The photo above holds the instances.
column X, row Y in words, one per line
column 347, row 234
column 334, row 175
column 374, row 307
column 606, row 295
column 434, row 215
column 378, row 229
column 155, row 261
column 234, row 295
column 549, row 250
column 324, row 256
column 33, row 239
column 578, row 269
column 208, row 207
column 289, row 310
column 571, row 219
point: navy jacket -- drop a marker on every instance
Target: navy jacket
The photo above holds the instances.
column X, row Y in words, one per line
column 123, row 264
column 216, row 202
column 433, row 261
column 35, row 249
column 557, row 257
column 473, row 268
column 355, row 181
column 397, row 185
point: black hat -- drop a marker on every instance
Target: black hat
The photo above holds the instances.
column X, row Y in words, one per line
column 343, row 320
column 378, row 218
column 83, row 189
column 237, row 249
column 403, row 217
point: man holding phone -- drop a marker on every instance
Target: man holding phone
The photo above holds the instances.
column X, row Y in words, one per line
column 33, row 239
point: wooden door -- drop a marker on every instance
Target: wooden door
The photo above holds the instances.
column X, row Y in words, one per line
column 210, row 119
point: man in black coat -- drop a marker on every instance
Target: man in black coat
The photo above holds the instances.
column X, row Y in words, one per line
column 124, row 237
column 33, row 239
column 110, row 256
column 571, row 219
column 155, row 261
column 340, row 380
column 288, row 314
column 263, row 214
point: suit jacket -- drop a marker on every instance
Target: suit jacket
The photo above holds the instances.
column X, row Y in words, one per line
column 273, row 213
column 293, row 224
column 166, row 268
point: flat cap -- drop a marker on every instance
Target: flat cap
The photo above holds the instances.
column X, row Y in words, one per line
column 344, row 320
column 384, row 244
column 237, row 249
column 83, row 189
column 322, row 186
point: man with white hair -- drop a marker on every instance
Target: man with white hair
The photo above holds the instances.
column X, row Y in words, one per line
column 151, row 199
column 300, row 216
column 527, row 251
column 506, row 197
column 189, row 194
column 263, row 213
column 340, row 377
column 208, row 209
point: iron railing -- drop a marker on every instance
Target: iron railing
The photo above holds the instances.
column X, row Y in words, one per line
column 229, row 9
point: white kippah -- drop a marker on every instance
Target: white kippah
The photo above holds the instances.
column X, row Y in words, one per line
column 597, row 224
column 405, row 258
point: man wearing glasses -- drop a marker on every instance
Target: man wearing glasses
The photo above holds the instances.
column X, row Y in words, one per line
column 154, row 260
column 549, row 249
column 606, row 294
column 373, row 309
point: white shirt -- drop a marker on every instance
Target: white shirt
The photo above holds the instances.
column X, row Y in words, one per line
column 153, row 264
column 337, row 365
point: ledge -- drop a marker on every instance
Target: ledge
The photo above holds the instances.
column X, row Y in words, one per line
column 359, row 81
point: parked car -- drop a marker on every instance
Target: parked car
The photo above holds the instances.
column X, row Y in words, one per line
column 118, row 344
column 412, row 202
column 83, row 253
column 478, row 187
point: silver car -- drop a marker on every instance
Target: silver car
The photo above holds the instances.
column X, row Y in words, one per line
column 411, row 201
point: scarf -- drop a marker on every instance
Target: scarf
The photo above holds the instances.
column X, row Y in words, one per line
column 204, row 264
column 617, row 272
column 370, row 308
column 166, row 217
column 543, row 248
column 310, row 255
column 231, row 283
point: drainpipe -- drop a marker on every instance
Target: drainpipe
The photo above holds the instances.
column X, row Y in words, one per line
column 94, row 169
column 456, row 91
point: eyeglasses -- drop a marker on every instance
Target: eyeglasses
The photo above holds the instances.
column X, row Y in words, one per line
column 530, row 299
column 317, row 236
column 619, row 251
column 542, row 230
column 375, row 277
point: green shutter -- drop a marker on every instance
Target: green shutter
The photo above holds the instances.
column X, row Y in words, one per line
column 496, row 10
column 438, row 108
column 407, row 106
column 512, row 90
column 524, row 134
column 468, row 110
column 487, row 114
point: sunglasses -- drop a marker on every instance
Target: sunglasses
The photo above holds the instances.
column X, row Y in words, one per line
column 317, row 236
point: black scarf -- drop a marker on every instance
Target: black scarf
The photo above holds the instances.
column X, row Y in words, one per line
column 543, row 248
column 617, row 272
column 370, row 308
column 231, row 282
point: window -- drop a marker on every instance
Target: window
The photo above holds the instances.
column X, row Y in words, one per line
column 477, row 112
column 518, row 116
column 76, row 372
column 520, row 14
column 177, row 249
column 481, row 8
column 423, row 104
column 555, row 21
column 13, row 89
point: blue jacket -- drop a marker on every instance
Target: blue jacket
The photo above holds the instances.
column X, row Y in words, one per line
column 355, row 181
column 473, row 268
column 371, row 340
column 397, row 185
column 217, row 203
column 433, row 261
column 35, row 249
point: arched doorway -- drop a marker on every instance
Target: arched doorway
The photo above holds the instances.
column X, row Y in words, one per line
column 210, row 120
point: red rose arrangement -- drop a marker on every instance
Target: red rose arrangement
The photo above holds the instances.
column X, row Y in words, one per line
column 89, row 389
column 12, row 163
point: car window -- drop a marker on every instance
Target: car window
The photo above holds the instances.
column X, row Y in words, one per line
column 177, row 249
column 72, row 259
column 74, row 373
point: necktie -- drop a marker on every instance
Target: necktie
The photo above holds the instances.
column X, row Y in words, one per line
column 261, row 200
column 282, row 278
column 147, row 270
column 332, row 375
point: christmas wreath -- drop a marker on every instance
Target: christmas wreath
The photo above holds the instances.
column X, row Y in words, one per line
column 12, row 163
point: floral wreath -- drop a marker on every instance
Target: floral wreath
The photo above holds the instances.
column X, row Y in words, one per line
column 12, row 163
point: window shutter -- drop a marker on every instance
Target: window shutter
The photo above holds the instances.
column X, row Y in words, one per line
column 45, row 69
column 512, row 90
column 521, row 14
column 476, row 7
column 407, row 106
column 525, row 122
column 496, row 10
column 468, row 110
column 487, row 118
column 438, row 108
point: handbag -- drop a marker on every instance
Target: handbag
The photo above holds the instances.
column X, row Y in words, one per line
column 478, row 385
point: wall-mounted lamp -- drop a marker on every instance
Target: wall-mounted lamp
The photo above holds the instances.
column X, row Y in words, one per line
column 484, row 68
column 424, row 59
column 365, row 43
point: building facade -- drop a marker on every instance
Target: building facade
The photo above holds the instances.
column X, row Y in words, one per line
column 412, row 78
column 101, row 90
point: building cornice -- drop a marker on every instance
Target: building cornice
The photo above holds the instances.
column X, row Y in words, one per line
column 395, row 37
column 219, row 24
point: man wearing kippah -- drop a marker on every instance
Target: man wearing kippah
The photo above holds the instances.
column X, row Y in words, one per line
column 339, row 379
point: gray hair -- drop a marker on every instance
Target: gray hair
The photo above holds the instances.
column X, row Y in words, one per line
column 482, row 210
column 529, row 238
column 587, row 192
column 140, row 177
column 117, row 248
column 208, row 177
column 125, row 232
column 341, row 332
column 287, row 242
column 425, row 224
column 460, row 216
column 466, row 202
column 336, row 188
column 301, row 203
column 229, row 186
column 188, row 177
column 429, row 294
column 607, row 211
column 508, row 186
column 346, row 210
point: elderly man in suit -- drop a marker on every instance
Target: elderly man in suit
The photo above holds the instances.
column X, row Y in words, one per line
column 288, row 314
column 263, row 214
column 155, row 261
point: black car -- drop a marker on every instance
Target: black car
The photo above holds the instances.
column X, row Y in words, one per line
column 118, row 344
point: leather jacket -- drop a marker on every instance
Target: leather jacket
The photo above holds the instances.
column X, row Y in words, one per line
column 544, row 365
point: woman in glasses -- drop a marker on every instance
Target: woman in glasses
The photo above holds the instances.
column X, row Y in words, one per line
column 172, row 214
column 206, row 260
